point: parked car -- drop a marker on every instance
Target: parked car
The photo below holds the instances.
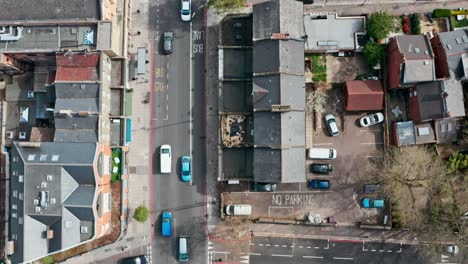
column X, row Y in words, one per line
column 331, row 124
column 186, row 168
column 263, row 187
column 135, row 260
column 373, row 203
column 371, row 120
column 452, row 249
column 238, row 209
column 321, row 168
column 168, row 38
column 319, row 184
column 186, row 10
column 183, row 249
column 165, row 156
column 166, row 224
column 322, row 153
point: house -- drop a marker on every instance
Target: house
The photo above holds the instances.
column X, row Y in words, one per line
column 410, row 61
column 451, row 54
column 364, row 95
column 332, row 33
column 60, row 196
column 278, row 92
column 436, row 100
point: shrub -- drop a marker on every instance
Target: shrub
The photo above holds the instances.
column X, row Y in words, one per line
column 379, row 25
column 406, row 25
column 373, row 52
column 441, row 13
column 141, row 214
column 416, row 24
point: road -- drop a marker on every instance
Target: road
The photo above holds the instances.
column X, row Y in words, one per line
column 289, row 250
column 175, row 91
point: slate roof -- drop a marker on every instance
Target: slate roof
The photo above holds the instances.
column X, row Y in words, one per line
column 364, row 95
column 57, row 194
column 418, row 58
column 455, row 44
column 278, row 79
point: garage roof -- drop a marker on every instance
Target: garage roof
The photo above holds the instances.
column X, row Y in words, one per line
column 364, row 95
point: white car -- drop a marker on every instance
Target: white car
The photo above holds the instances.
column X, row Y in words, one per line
column 186, row 10
column 452, row 249
column 371, row 119
column 331, row 124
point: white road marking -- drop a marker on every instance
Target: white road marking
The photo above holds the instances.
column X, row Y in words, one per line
column 255, row 254
column 373, row 250
column 260, row 245
column 284, row 245
column 322, row 144
column 308, row 247
column 389, row 251
column 281, row 207
column 267, row 245
column 315, row 257
column 221, row 252
column 292, row 246
column 287, row 256
column 301, row 247
column 276, row 245
column 316, row 247
column 343, row 258
column 380, row 250
column 374, row 156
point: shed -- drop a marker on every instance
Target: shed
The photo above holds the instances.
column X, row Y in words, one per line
column 364, row 95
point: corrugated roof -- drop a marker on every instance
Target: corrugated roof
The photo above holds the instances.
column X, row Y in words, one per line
column 364, row 95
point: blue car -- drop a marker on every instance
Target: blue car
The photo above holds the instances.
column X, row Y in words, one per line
column 319, row 184
column 372, row 203
column 186, row 168
column 166, row 224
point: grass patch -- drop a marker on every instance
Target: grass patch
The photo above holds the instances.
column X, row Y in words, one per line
column 458, row 24
column 47, row 260
column 115, row 176
column 319, row 67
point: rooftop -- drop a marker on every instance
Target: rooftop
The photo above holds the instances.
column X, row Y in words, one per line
column 25, row 10
column 340, row 33
column 455, row 45
column 364, row 95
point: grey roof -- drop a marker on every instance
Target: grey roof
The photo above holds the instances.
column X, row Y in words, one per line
column 418, row 58
column 405, row 133
column 430, row 101
column 79, row 135
column 332, row 32
column 453, row 103
column 455, row 44
column 63, row 171
column 76, row 122
column 77, row 90
column 18, row 10
column 278, row 56
column 77, row 105
column 278, row 16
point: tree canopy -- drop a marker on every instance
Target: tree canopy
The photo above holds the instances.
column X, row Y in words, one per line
column 373, row 52
column 379, row 25
column 141, row 214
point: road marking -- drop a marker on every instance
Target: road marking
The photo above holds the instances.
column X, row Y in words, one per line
column 308, row 247
column 315, row 257
column 284, row 245
column 373, row 250
column 301, row 247
column 389, row 251
column 322, row 144
column 280, row 207
column 276, row 245
column 287, row 256
column 343, row 258
column 292, row 246
column 381, row 250
column 255, row 254
column 221, row 252
column 252, row 244
column 260, row 245
column 374, row 156
column 267, row 245
column 316, row 247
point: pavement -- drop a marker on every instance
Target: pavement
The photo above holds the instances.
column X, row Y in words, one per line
column 394, row 7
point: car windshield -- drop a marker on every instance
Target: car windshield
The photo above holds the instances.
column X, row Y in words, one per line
column 366, row 121
column 185, row 12
column 165, row 150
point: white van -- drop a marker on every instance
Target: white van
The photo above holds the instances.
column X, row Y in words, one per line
column 322, row 153
column 166, row 158
column 238, row 209
column 183, row 249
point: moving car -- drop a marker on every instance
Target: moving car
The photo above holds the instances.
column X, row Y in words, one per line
column 321, row 168
column 371, row 119
column 322, row 153
column 372, row 203
column 331, row 124
column 186, row 10
column 135, row 260
column 166, row 224
column 263, row 187
column 165, row 154
column 183, row 249
column 168, row 38
column 319, row 184
column 186, row 168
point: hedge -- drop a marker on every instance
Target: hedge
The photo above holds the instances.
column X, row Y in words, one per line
column 441, row 13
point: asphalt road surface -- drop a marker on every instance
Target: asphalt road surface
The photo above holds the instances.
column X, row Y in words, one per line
column 175, row 93
column 265, row 250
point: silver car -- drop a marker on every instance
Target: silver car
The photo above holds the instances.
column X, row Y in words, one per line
column 331, row 124
column 168, row 39
column 371, row 119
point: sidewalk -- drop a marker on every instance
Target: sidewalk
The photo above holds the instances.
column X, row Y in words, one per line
column 348, row 8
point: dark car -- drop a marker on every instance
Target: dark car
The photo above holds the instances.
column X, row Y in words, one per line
column 135, row 260
column 168, row 40
column 321, row 168
column 263, row 187
column 319, row 184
